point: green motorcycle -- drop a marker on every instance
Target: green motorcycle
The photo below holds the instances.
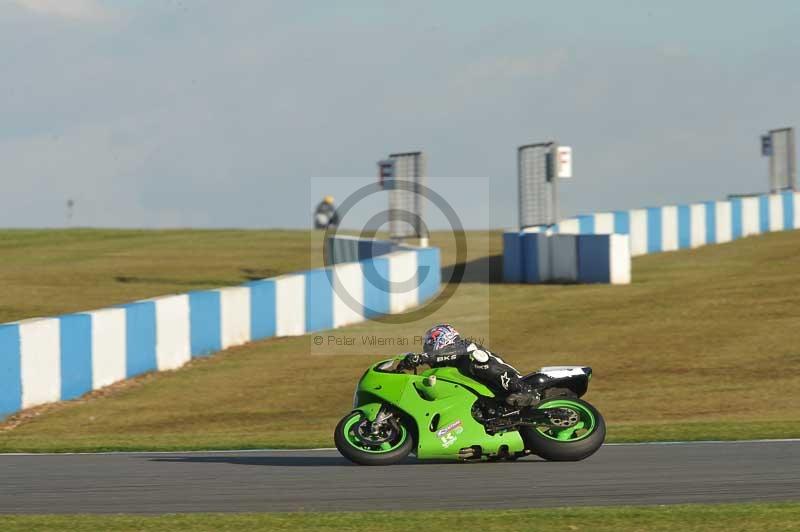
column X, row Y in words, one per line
column 443, row 414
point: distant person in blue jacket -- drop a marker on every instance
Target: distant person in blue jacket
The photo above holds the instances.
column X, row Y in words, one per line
column 325, row 214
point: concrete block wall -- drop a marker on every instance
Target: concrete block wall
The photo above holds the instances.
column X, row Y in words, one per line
column 346, row 248
column 51, row 359
column 541, row 257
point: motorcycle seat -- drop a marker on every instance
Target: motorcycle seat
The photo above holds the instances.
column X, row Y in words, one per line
column 575, row 378
column 560, row 372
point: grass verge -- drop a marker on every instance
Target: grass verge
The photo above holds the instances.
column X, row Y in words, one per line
column 702, row 345
column 687, row 518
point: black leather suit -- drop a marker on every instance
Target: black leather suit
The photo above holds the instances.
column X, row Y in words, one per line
column 475, row 360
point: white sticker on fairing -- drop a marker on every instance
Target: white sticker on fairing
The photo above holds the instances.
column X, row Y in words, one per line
column 559, row 372
column 449, row 434
column 451, row 427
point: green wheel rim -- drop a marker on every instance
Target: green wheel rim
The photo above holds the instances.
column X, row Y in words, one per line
column 353, row 440
column 585, row 426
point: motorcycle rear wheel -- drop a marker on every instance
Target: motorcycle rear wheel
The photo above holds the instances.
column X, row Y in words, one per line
column 573, row 443
column 354, row 443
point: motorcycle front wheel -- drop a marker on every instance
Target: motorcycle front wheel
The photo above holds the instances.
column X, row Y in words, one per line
column 358, row 442
column 575, row 439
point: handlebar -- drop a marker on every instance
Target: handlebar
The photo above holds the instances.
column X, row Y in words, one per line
column 392, row 365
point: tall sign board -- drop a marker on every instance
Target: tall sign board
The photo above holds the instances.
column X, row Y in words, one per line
column 403, row 176
column 539, row 167
column 779, row 146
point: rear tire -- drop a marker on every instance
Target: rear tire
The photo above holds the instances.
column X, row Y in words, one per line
column 359, row 451
column 549, row 447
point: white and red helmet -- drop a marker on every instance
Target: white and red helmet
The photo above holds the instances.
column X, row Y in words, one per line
column 440, row 336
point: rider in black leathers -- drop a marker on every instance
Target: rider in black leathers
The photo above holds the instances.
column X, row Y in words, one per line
column 443, row 346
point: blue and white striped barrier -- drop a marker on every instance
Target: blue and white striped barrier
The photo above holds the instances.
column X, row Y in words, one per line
column 652, row 230
column 51, row 359
column 674, row 227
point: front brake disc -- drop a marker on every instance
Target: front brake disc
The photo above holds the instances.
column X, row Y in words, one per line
column 367, row 437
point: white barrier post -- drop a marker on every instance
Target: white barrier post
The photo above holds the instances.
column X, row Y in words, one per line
column 775, row 212
column 234, row 309
column 290, row 305
column 348, row 294
column 697, row 217
column 402, row 281
column 620, row 258
column 173, row 345
column 669, row 228
column 40, row 364
column 638, row 232
column 569, row 227
column 723, row 220
column 750, row 218
column 604, row 223
column 108, row 346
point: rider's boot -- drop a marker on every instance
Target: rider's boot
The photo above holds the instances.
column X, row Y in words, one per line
column 527, row 396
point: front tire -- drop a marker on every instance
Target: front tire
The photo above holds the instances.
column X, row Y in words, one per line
column 573, row 443
column 356, row 443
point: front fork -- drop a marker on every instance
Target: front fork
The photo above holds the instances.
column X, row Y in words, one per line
column 370, row 410
column 377, row 416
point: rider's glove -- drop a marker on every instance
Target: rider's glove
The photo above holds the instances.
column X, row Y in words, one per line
column 410, row 361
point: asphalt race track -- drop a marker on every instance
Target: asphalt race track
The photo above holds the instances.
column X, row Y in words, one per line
column 262, row 481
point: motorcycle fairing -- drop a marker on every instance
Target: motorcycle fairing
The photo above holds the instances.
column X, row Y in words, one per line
column 441, row 409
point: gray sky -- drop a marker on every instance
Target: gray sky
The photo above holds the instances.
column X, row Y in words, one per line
column 156, row 113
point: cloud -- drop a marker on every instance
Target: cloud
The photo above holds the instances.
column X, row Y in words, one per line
column 199, row 114
column 89, row 10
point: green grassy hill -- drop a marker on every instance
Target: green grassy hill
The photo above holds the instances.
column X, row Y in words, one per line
column 702, row 345
column 49, row 272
